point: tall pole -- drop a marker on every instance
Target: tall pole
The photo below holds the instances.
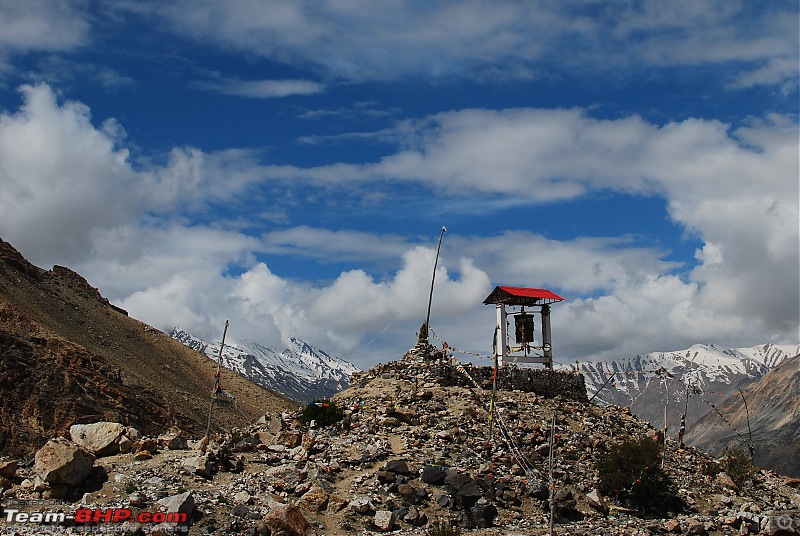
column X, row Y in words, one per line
column 216, row 382
column 433, row 280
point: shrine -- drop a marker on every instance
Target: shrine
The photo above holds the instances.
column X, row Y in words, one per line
column 537, row 300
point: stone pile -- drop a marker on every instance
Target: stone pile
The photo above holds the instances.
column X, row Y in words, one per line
column 411, row 450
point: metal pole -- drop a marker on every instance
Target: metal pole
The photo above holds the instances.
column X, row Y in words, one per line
column 550, row 471
column 749, row 431
column 216, row 382
column 430, row 298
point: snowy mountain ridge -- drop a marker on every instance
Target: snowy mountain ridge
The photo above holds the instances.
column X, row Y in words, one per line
column 704, row 366
column 656, row 384
column 300, row 371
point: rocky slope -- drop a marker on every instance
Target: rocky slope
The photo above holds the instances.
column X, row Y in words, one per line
column 68, row 356
column 412, row 451
column 772, row 405
column 299, row 371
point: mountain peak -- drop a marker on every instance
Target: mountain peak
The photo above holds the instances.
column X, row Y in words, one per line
column 300, row 371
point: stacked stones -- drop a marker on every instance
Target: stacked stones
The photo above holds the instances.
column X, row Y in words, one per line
column 542, row 381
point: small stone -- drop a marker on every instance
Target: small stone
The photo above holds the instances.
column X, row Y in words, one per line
column 361, row 505
column 242, row 497
column 726, row 481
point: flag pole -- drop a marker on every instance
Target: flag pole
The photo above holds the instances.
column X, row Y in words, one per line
column 216, row 385
column 433, row 280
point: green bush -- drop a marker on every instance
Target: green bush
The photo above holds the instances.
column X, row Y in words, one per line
column 632, row 469
column 324, row 412
column 737, row 464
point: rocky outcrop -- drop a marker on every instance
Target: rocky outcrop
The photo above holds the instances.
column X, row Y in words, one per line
column 68, row 356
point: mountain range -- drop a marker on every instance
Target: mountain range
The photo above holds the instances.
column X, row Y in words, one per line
column 299, row 371
column 647, row 383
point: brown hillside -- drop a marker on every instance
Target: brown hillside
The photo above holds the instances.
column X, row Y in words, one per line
column 68, row 356
column 773, row 409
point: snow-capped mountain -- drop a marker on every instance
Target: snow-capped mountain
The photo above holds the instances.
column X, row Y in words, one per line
column 647, row 383
column 299, row 371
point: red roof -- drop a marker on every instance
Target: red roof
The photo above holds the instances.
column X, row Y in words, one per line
column 522, row 296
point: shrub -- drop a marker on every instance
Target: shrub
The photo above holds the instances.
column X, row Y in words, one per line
column 632, row 469
column 737, row 464
column 324, row 412
column 442, row 528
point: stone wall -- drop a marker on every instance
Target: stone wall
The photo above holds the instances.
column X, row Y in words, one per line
column 541, row 381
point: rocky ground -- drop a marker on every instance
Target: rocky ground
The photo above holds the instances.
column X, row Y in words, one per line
column 409, row 453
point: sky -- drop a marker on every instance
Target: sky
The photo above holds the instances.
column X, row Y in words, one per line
column 288, row 166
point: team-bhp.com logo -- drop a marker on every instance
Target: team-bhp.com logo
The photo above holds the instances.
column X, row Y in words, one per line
column 95, row 516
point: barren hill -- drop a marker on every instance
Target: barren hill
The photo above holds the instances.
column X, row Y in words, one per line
column 68, row 356
column 772, row 405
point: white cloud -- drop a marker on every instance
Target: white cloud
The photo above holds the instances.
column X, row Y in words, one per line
column 42, row 25
column 334, row 246
column 361, row 40
column 78, row 200
column 261, row 89
column 62, row 180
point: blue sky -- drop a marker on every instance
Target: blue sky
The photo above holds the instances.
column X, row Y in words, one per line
column 288, row 165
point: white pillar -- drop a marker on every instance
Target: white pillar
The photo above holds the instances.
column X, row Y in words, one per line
column 501, row 347
column 547, row 341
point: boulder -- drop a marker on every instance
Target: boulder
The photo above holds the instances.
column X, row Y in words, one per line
column 384, row 520
column 8, row 468
column 398, row 466
column 287, row 520
column 145, row 444
column 596, row 501
column 125, row 444
column 288, row 438
column 483, row 513
column 565, row 506
column 198, row 465
column 60, row 461
column 361, row 505
column 464, row 489
column 432, row 475
column 283, row 477
column 172, row 441
column 315, row 499
column 99, row 438
column 182, row 502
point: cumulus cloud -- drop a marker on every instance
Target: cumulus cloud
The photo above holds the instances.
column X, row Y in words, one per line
column 70, row 194
column 63, row 180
